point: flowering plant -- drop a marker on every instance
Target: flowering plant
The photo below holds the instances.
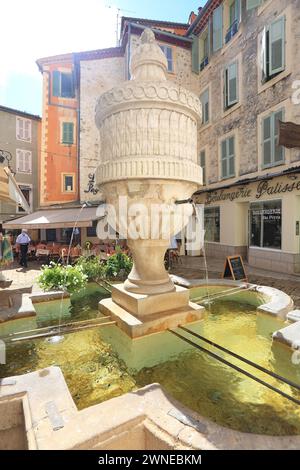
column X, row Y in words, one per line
column 67, row 278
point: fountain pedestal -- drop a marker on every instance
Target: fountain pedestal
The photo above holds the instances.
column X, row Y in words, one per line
column 148, row 135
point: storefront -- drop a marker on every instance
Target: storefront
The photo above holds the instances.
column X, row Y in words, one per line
column 259, row 220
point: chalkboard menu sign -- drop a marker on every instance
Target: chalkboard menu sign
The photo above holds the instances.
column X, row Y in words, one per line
column 234, row 267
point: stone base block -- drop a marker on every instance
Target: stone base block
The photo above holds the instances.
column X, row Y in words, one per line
column 153, row 323
column 141, row 305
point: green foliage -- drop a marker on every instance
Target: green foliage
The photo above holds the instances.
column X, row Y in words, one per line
column 92, row 267
column 118, row 266
column 67, row 278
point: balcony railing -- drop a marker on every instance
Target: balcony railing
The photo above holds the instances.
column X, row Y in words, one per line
column 204, row 63
column 232, row 31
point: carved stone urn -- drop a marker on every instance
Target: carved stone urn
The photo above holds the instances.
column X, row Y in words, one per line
column 148, row 134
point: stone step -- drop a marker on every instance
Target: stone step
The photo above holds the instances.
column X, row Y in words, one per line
column 289, row 335
column 293, row 316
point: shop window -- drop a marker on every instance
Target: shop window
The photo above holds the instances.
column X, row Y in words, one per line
column 212, row 224
column 92, row 231
column 204, row 98
column 63, row 84
column 273, row 49
column 231, row 95
column 265, row 224
column 68, row 133
column 273, row 154
column 202, row 161
column 228, row 157
column 168, row 51
column 51, row 235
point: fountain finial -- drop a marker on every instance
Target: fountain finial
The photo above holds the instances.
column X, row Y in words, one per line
column 148, row 62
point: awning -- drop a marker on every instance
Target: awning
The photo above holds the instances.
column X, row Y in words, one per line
column 55, row 218
column 10, row 191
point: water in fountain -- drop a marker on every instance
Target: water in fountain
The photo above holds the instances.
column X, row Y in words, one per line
column 58, row 338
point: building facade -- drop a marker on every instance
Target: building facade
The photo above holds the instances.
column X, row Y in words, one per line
column 20, row 134
column 241, row 57
column 247, row 54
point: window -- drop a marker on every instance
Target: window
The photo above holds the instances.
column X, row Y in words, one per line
column 265, row 224
column 68, row 133
column 24, row 161
column 51, row 234
column 273, row 49
column 68, row 183
column 228, row 157
column 92, row 231
column 204, row 98
column 231, row 85
column 254, row 3
column 202, row 162
column 233, row 19
column 27, row 193
column 204, row 48
column 218, row 28
column 168, row 51
column 212, row 224
column 63, row 84
column 272, row 153
column 23, row 129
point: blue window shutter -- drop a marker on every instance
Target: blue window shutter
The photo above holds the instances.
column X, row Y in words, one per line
column 218, row 28
column 55, row 83
column 253, row 4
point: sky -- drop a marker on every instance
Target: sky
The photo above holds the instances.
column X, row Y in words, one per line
column 32, row 29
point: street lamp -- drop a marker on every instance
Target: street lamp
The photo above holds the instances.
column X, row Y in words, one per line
column 5, row 155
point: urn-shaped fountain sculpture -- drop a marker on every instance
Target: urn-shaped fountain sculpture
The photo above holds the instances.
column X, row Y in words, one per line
column 148, row 134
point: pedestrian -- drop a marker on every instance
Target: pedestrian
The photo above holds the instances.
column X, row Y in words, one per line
column 23, row 240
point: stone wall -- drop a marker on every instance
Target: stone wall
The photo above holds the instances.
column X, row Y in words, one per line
column 254, row 100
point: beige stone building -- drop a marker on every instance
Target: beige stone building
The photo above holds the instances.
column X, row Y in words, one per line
column 248, row 57
column 20, row 140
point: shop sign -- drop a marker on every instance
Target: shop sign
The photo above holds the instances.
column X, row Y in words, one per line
column 264, row 188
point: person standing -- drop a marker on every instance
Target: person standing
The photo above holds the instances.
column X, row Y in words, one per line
column 23, row 240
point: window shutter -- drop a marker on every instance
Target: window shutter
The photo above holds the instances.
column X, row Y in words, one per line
column 56, row 83
column 204, row 98
column 27, row 162
column 232, row 88
column 218, row 28
column 195, row 55
column 266, row 132
column 224, row 158
column 68, row 133
column 277, row 46
column 27, row 130
column 203, row 166
column 231, row 156
column 263, row 56
column 225, row 88
column 238, row 10
column 20, row 128
column 253, row 4
column 278, row 150
column 19, row 160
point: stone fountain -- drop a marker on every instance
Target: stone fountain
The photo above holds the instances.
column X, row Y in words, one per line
column 148, row 134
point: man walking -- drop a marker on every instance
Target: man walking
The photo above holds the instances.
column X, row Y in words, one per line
column 23, row 240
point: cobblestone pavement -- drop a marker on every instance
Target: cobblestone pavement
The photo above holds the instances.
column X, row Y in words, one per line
column 188, row 267
column 194, row 268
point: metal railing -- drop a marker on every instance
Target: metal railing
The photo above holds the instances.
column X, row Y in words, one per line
column 237, row 368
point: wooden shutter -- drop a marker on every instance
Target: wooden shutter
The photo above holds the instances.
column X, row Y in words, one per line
column 278, row 150
column 68, row 133
column 231, row 155
column 55, row 83
column 267, row 145
column 224, row 158
column 27, row 130
column 263, row 56
column 203, row 165
column 20, row 128
column 195, row 55
column 232, row 84
column 27, row 162
column 218, row 28
column 277, row 46
column 253, row 4
column 20, row 161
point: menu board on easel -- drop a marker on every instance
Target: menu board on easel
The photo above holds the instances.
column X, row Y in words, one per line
column 234, row 268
